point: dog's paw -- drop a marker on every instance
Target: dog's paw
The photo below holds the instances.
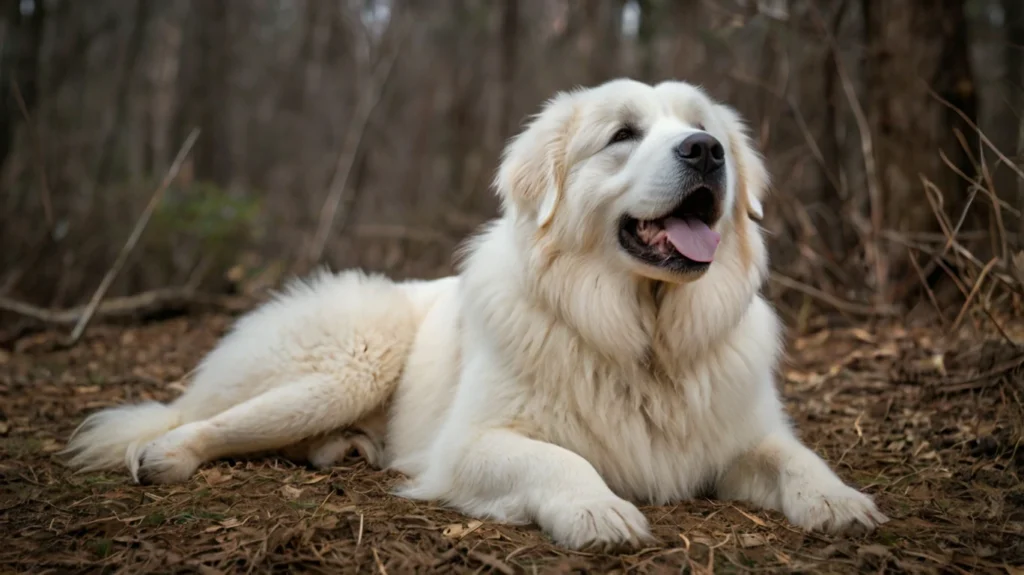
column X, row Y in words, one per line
column 604, row 522
column 167, row 459
column 333, row 450
column 840, row 509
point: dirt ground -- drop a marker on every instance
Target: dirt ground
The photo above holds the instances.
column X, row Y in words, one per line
column 932, row 429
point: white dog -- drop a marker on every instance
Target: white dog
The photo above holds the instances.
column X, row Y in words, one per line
column 604, row 342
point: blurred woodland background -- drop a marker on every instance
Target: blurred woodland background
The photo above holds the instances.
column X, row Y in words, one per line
column 366, row 132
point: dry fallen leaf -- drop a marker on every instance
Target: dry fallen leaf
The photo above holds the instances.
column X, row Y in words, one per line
column 51, row 446
column 875, row 550
column 748, row 540
column 458, row 530
column 229, row 523
column 332, row 508
column 703, row 540
column 327, row 523
column 291, row 493
column 863, row 335
column 215, row 477
column 815, row 340
column 757, row 520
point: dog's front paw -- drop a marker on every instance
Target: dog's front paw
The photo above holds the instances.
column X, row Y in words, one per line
column 167, row 459
column 838, row 509
column 603, row 522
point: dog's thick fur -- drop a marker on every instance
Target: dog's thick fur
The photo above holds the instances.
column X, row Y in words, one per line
column 555, row 379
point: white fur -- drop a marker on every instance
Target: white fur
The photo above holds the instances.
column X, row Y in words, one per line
column 555, row 380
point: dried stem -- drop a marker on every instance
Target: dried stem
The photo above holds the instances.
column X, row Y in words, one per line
column 44, row 188
column 841, row 305
column 874, row 246
column 133, row 239
column 927, row 288
column 974, row 292
column 347, row 157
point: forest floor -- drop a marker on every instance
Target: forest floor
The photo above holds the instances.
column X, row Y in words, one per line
column 931, row 428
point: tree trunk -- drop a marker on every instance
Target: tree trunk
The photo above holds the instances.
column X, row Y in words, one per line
column 912, row 47
column 1014, row 82
column 204, row 89
column 509, row 53
column 19, row 66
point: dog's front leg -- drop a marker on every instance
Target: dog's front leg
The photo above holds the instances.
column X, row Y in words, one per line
column 504, row 475
column 781, row 473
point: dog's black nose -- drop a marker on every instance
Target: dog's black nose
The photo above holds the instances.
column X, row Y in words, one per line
column 703, row 152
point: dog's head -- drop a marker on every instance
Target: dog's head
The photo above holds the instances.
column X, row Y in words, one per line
column 661, row 176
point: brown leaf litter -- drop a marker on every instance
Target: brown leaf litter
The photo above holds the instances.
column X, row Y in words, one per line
column 931, row 427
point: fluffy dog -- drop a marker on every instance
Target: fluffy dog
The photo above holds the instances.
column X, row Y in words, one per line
column 604, row 343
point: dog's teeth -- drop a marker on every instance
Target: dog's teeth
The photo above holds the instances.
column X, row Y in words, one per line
column 650, row 233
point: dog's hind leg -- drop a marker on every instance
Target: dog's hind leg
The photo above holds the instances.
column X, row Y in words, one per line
column 366, row 438
column 314, row 405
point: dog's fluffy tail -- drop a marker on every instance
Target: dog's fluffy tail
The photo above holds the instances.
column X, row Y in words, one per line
column 106, row 438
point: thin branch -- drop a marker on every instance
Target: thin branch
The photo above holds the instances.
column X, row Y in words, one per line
column 44, row 188
column 801, row 124
column 984, row 307
column 975, row 186
column 928, row 290
column 870, row 169
column 962, row 253
column 400, row 232
column 988, row 143
column 1003, row 368
column 133, row 239
column 974, row 291
column 841, row 305
column 347, row 157
column 997, row 213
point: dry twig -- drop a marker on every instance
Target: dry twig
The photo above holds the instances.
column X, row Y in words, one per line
column 133, row 239
column 44, row 188
column 874, row 247
column 840, row 305
column 349, row 151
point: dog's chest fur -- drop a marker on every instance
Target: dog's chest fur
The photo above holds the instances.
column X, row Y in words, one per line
column 655, row 430
column 660, row 391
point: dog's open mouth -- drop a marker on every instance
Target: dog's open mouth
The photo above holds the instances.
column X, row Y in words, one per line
column 682, row 240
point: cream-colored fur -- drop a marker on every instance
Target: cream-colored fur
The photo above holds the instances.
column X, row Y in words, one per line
column 555, row 380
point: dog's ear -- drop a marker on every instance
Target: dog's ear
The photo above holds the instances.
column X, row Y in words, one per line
column 533, row 169
column 751, row 174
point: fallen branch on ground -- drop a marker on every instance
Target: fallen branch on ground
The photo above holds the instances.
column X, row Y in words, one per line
column 146, row 302
column 840, row 305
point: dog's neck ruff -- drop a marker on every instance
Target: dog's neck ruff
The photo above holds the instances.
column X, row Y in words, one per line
column 569, row 287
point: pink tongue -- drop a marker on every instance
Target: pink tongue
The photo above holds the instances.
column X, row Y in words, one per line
column 692, row 238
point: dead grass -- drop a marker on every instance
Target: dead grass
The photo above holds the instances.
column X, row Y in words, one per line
column 931, row 426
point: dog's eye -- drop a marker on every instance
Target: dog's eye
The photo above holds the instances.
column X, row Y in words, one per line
column 624, row 134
